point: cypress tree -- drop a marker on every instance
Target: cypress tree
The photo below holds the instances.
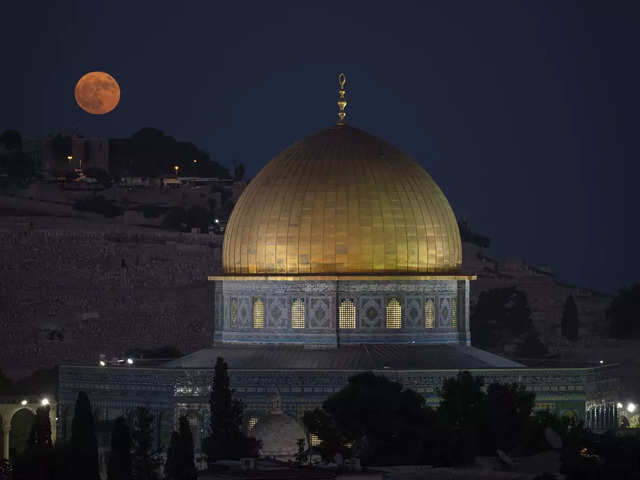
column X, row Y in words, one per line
column 172, row 465
column 119, row 466
column 84, row 446
column 569, row 320
column 187, row 461
column 227, row 439
column 144, row 466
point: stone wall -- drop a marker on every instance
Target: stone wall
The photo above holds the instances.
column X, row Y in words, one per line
column 71, row 294
column 545, row 294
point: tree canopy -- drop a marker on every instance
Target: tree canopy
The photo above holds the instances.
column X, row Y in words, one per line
column 151, row 153
column 569, row 320
column 623, row 313
column 119, row 466
column 84, row 446
column 499, row 315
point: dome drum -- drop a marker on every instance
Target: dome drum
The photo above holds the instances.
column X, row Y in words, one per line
column 327, row 313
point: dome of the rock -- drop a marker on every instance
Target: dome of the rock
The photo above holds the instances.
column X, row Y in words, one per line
column 342, row 201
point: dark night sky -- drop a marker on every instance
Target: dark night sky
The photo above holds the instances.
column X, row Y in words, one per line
column 525, row 113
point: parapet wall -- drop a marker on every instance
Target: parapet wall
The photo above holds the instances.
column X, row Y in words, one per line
column 69, row 296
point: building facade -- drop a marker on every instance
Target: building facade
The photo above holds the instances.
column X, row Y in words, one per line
column 341, row 256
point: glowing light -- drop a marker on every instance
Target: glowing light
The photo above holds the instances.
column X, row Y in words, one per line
column 195, row 161
column 176, row 168
column 102, row 363
column 23, row 402
column 631, row 407
column 129, row 361
column 601, row 362
column 69, row 157
column 217, row 221
column 619, row 405
column 44, row 402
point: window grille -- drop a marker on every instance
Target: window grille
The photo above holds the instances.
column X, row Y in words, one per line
column 429, row 314
column 347, row 314
column 394, row 314
column 454, row 312
column 297, row 313
column 253, row 421
column 258, row 313
column 314, row 440
column 234, row 312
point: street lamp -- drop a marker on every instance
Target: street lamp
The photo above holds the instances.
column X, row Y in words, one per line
column 23, row 402
column 44, row 402
column 176, row 168
column 129, row 361
column 195, row 161
column 631, row 407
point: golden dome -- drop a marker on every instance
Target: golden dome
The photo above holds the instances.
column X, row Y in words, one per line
column 342, row 201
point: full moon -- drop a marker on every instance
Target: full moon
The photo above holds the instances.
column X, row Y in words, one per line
column 97, row 93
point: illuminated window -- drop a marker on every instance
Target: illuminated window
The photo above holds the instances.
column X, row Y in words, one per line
column 314, row 440
column 258, row 313
column 542, row 406
column 394, row 314
column 253, row 421
column 429, row 314
column 297, row 313
column 454, row 312
column 347, row 314
column 234, row 312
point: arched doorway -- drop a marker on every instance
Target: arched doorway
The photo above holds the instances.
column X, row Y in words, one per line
column 21, row 424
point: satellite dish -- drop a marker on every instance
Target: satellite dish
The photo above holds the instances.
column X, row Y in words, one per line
column 506, row 459
column 552, row 438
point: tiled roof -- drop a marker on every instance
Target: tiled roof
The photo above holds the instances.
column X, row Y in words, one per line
column 350, row 357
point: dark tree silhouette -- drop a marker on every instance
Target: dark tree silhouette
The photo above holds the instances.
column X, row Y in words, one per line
column 238, row 172
column 172, row 465
column 151, row 153
column 187, row 461
column 507, row 412
column 84, row 446
column 144, row 465
column 180, row 463
column 499, row 314
column 387, row 423
column 569, row 320
column 119, row 466
column 623, row 313
column 11, row 139
column 226, row 439
column 532, row 346
column 462, row 399
column 40, row 436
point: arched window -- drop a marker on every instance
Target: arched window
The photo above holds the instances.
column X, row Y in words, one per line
column 429, row 314
column 258, row 313
column 394, row 314
column 454, row 312
column 347, row 314
column 234, row 312
column 314, row 440
column 253, row 421
column 297, row 313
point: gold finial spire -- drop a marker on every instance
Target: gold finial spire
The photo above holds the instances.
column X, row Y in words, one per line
column 342, row 102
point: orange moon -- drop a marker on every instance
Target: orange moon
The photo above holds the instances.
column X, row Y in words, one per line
column 97, row 93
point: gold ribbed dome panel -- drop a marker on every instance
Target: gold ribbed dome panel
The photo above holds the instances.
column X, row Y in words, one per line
column 342, row 201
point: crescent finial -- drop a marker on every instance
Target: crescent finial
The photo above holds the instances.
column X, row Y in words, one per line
column 342, row 101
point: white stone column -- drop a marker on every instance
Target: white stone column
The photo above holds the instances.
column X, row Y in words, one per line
column 6, row 428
